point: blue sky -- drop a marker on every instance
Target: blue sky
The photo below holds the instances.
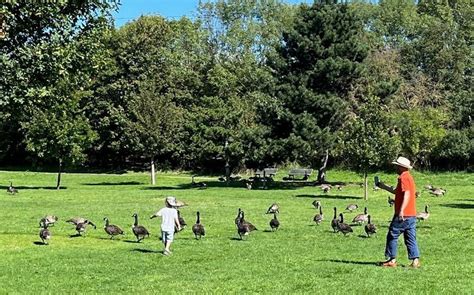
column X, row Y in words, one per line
column 132, row 9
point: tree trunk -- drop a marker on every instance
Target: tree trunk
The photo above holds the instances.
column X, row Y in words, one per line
column 58, row 184
column 153, row 181
column 366, row 196
column 322, row 170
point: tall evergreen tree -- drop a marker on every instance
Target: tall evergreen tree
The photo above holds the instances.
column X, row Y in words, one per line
column 320, row 57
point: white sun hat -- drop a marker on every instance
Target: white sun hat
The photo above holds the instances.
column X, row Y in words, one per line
column 171, row 201
column 404, row 162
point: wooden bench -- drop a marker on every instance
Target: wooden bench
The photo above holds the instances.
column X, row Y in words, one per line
column 302, row 173
column 267, row 172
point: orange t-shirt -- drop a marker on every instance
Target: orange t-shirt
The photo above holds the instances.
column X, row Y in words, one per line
column 405, row 183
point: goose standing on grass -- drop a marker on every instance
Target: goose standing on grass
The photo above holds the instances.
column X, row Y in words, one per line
column 45, row 235
column 48, row 220
column 243, row 228
column 182, row 222
column 248, row 184
column 361, row 218
column 139, row 231
column 390, row 201
column 439, row 192
column 250, row 225
column 274, row 208
column 81, row 227
column 198, row 184
column 318, row 218
column 274, row 223
column 352, row 207
column 423, row 215
column 111, row 229
column 76, row 220
column 316, row 204
column 237, row 219
column 370, row 228
column 343, row 227
column 198, row 228
column 335, row 221
column 11, row 189
column 326, row 188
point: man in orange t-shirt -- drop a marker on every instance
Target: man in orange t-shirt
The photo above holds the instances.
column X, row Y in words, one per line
column 404, row 219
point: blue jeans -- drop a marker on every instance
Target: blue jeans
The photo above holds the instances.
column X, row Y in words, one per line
column 408, row 228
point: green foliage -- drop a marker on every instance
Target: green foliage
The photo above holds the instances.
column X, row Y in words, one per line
column 60, row 132
column 320, row 58
column 420, row 130
column 280, row 83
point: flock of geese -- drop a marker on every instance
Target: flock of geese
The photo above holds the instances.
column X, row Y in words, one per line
column 244, row 227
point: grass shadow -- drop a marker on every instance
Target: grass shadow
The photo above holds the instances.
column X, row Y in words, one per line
column 466, row 200
column 336, row 197
column 130, row 241
column 20, row 188
column 115, row 183
column 37, row 243
column 75, row 236
column 350, row 262
column 459, row 206
column 236, row 239
column 146, row 251
column 271, row 185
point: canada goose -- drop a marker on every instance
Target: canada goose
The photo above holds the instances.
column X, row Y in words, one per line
column 11, row 189
column 352, row 207
column 237, row 219
column 429, row 187
column 274, row 208
column 438, row 192
column 250, row 225
column 316, row 204
column 370, row 228
column 423, row 215
column 182, row 222
column 111, row 229
column 197, row 184
column 139, row 231
column 249, row 185
column 48, row 220
column 81, row 227
column 390, row 201
column 45, row 235
column 361, row 218
column 339, row 187
column 243, row 228
column 318, row 218
column 343, row 227
column 335, row 221
column 76, row 220
column 326, row 187
column 221, row 178
column 198, row 228
column 274, row 223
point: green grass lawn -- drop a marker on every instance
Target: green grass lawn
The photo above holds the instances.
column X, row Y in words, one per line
column 299, row 258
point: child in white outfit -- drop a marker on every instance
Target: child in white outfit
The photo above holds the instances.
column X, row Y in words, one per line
column 169, row 219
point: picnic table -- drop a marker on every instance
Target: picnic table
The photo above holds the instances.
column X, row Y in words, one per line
column 301, row 173
column 267, row 172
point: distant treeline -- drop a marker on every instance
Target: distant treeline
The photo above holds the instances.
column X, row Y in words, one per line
column 252, row 83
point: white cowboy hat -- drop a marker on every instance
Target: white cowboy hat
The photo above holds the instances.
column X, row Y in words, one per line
column 404, row 162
